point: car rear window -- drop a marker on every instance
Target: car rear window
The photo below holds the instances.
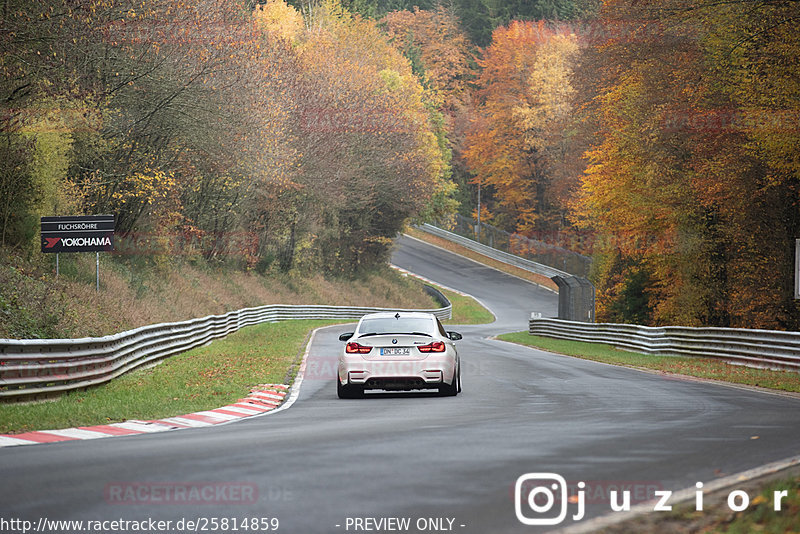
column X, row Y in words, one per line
column 390, row 325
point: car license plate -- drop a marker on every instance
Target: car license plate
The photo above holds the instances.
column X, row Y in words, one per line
column 396, row 351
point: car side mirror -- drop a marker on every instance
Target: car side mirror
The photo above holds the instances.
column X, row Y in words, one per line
column 346, row 336
column 455, row 336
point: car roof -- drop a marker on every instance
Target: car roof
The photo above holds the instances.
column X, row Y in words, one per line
column 403, row 314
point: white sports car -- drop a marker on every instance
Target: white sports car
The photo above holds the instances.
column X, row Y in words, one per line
column 399, row 352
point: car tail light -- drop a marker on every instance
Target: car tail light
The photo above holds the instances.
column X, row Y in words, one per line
column 436, row 346
column 356, row 348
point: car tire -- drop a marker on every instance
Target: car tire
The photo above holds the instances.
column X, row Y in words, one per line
column 349, row 391
column 450, row 390
column 459, row 379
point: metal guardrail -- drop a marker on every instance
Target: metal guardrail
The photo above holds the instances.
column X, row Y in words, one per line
column 493, row 253
column 576, row 295
column 532, row 249
column 42, row 367
column 753, row 348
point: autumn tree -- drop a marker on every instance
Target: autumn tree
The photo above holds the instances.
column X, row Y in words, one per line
column 444, row 60
column 368, row 144
column 524, row 96
column 438, row 50
column 692, row 183
column 367, row 155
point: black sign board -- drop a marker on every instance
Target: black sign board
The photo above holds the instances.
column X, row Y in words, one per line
column 85, row 233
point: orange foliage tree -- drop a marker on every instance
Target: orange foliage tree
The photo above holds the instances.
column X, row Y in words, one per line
column 524, row 97
column 438, row 49
column 692, row 183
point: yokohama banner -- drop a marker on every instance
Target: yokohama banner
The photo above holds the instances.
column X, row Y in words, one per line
column 88, row 233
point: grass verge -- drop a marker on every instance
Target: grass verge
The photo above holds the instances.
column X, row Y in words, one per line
column 499, row 265
column 201, row 379
column 705, row 368
column 466, row 310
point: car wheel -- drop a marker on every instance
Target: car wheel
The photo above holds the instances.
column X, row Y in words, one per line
column 459, row 379
column 450, row 390
column 349, row 391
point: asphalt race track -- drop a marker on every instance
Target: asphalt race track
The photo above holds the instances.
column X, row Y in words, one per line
column 417, row 456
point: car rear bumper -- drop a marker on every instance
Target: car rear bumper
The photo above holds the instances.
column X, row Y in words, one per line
column 399, row 375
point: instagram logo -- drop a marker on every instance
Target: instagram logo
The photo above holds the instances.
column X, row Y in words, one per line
column 536, row 495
